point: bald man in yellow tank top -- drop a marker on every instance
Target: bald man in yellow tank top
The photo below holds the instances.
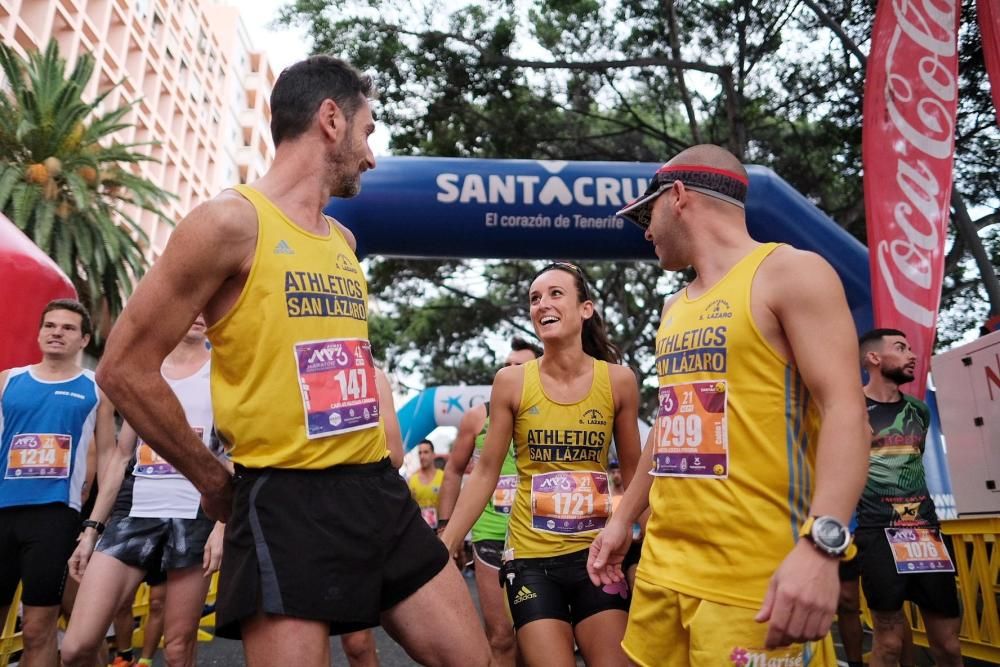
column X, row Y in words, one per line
column 322, row 535
column 758, row 452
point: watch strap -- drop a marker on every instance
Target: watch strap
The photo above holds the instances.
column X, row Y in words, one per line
column 847, row 553
column 90, row 523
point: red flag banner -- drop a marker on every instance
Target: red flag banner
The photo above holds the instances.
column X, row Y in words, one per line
column 989, row 28
column 908, row 142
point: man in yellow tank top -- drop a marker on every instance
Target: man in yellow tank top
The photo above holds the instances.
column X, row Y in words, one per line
column 322, row 535
column 760, row 438
column 425, row 484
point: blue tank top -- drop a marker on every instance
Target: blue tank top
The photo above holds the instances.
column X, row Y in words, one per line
column 46, row 429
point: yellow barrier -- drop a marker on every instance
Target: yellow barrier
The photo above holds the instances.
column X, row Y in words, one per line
column 11, row 643
column 977, row 569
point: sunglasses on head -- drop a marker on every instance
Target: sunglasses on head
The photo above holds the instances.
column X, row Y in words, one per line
column 572, row 268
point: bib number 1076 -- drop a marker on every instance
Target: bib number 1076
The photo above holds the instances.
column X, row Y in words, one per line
column 918, row 550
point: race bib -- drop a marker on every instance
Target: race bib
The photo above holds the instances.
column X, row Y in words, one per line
column 39, row 456
column 690, row 436
column 918, row 550
column 503, row 495
column 430, row 515
column 150, row 464
column 337, row 380
column 568, row 502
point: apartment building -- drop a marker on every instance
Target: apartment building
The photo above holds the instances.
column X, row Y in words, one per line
column 201, row 87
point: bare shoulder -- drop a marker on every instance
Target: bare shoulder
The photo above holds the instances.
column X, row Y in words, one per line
column 790, row 273
column 218, row 237
column 507, row 386
column 3, row 380
column 474, row 419
column 105, row 401
column 786, row 259
column 348, row 234
column 624, row 385
column 228, row 215
column 620, row 373
column 669, row 301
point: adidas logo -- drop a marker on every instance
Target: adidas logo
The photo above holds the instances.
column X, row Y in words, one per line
column 524, row 594
column 533, row 410
column 283, row 248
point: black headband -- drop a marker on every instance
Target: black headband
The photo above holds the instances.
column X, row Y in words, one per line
column 722, row 184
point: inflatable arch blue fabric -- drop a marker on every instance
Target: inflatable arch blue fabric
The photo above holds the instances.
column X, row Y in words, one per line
column 537, row 209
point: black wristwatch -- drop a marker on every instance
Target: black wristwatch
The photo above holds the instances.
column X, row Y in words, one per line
column 441, row 524
column 90, row 523
column 827, row 534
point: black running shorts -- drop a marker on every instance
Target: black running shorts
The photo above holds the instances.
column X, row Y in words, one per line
column 36, row 541
column 886, row 590
column 339, row 545
column 558, row 588
column 850, row 570
column 488, row 552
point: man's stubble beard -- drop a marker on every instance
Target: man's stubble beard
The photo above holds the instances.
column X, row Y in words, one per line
column 898, row 375
column 342, row 185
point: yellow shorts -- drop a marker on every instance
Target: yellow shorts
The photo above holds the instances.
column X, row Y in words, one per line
column 670, row 629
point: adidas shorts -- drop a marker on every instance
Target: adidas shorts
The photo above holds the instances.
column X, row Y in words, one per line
column 558, row 588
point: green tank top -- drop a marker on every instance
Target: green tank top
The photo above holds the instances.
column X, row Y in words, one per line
column 492, row 523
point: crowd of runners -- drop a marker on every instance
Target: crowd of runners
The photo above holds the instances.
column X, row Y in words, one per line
column 273, row 457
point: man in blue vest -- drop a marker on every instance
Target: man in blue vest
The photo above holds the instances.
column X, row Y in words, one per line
column 50, row 415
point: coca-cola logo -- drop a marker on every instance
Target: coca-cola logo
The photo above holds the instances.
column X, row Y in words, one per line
column 920, row 99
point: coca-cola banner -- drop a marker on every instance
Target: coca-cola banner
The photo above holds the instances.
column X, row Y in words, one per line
column 908, row 143
column 989, row 28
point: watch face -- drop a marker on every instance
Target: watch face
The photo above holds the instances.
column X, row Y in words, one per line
column 829, row 533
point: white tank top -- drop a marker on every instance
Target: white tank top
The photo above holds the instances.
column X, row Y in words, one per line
column 157, row 490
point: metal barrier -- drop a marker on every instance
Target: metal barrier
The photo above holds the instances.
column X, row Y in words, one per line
column 977, row 570
column 11, row 642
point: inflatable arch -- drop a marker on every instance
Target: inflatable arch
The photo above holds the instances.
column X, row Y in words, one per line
column 533, row 209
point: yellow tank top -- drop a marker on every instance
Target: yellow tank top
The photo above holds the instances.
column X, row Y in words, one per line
column 563, row 497
column 735, row 446
column 293, row 384
column 426, row 495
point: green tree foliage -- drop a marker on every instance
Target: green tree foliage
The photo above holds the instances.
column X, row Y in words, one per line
column 630, row 80
column 65, row 182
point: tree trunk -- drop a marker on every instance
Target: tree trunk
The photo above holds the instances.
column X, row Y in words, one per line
column 970, row 237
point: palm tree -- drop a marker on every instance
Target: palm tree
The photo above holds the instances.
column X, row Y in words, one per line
column 66, row 182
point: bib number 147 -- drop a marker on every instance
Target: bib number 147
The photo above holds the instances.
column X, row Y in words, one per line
column 353, row 383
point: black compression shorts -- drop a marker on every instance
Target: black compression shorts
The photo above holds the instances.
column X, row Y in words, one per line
column 36, row 541
column 558, row 588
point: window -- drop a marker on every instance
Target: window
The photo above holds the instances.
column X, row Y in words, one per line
column 190, row 20
column 156, row 26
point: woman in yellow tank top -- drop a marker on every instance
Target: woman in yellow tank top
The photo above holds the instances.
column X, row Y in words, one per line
column 562, row 412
